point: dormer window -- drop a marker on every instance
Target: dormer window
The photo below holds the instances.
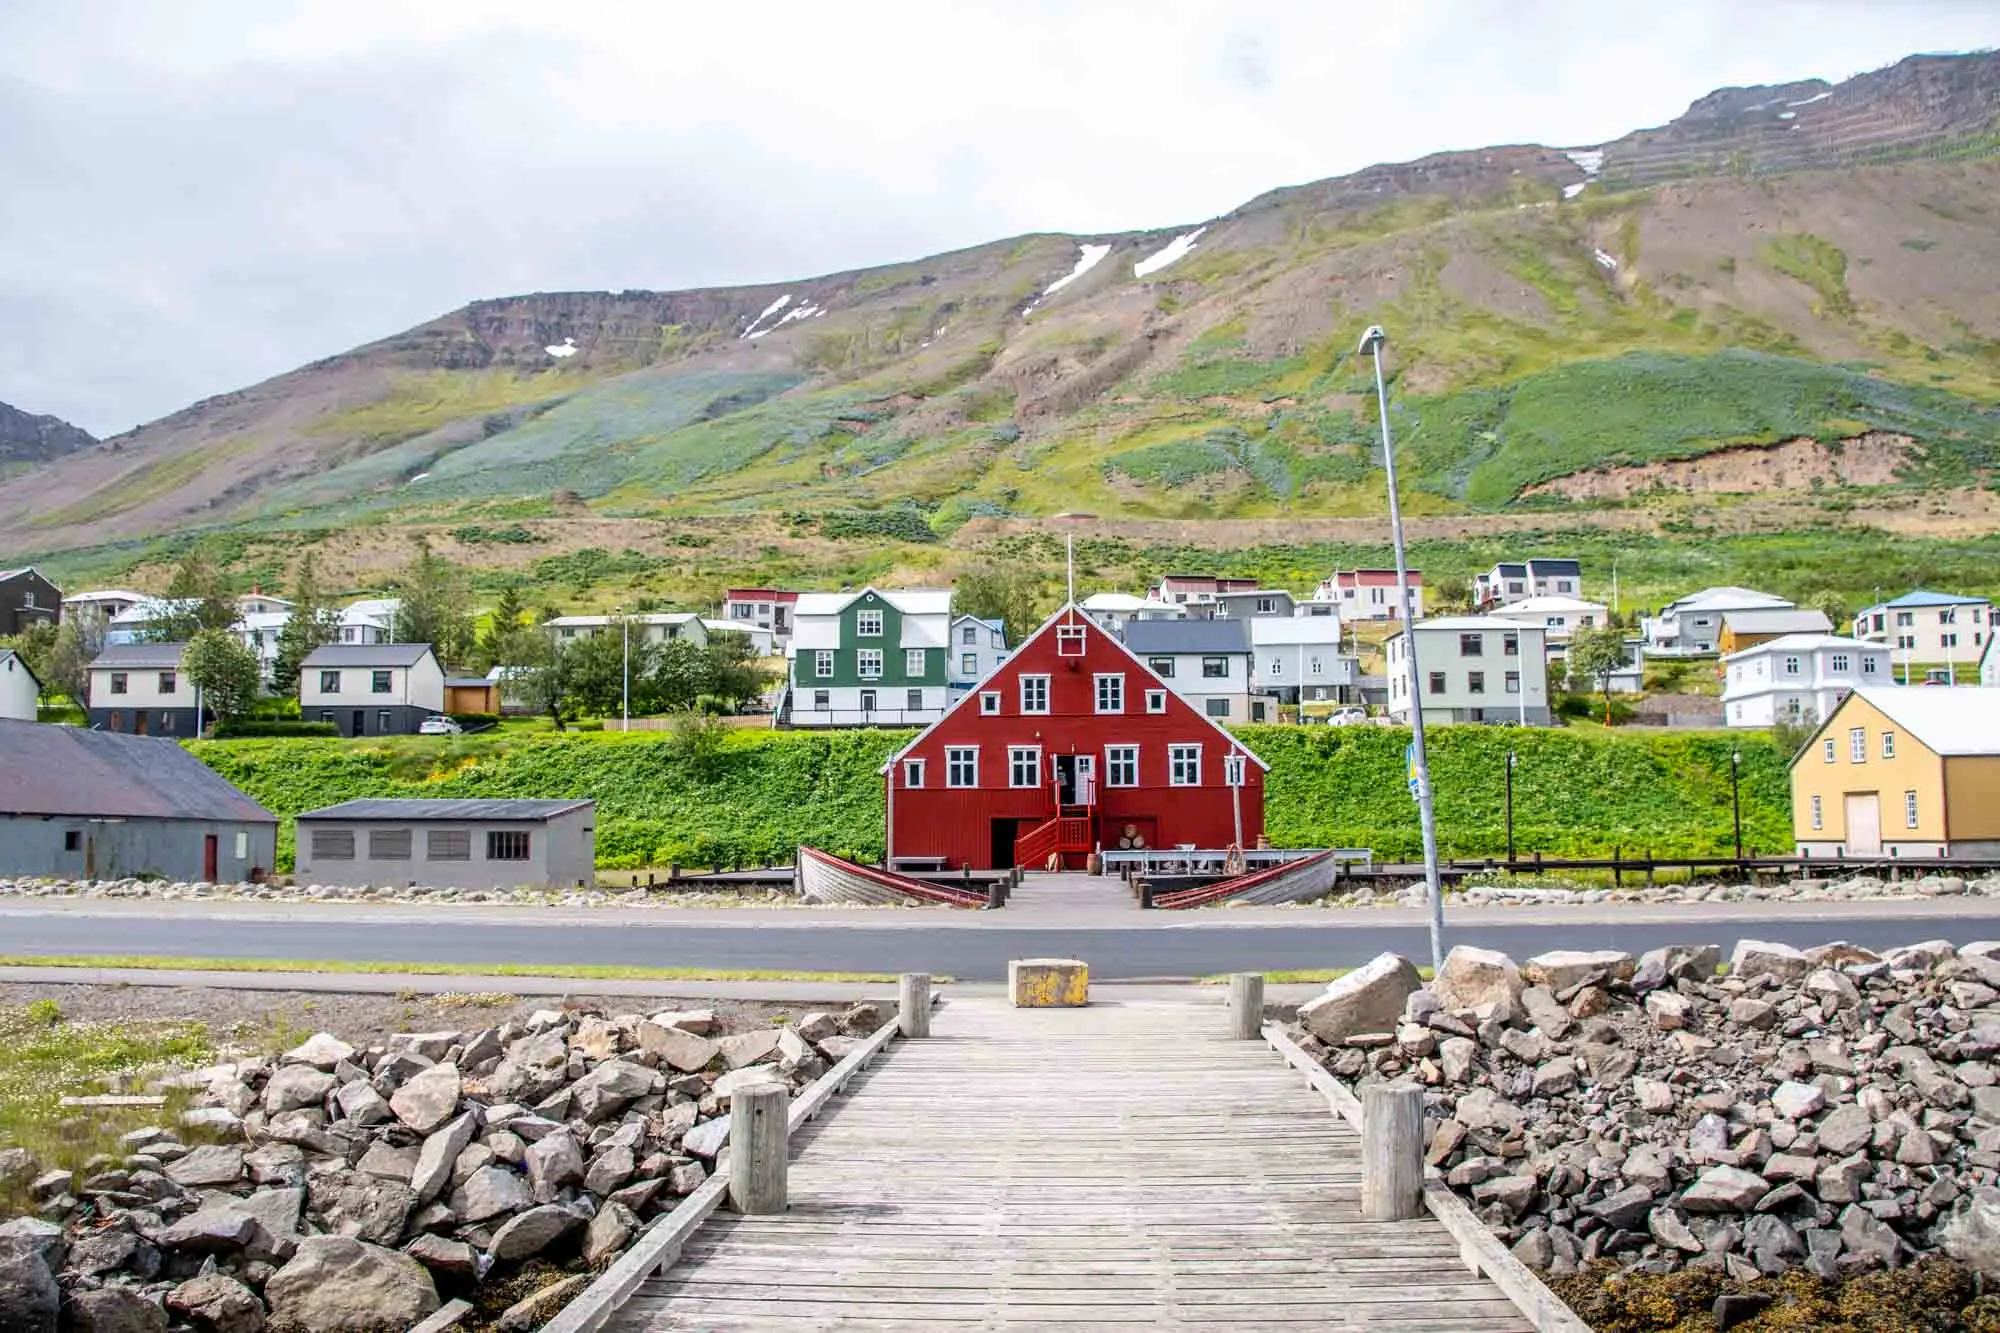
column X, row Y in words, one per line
column 1069, row 640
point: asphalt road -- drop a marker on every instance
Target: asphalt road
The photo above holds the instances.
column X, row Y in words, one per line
column 979, row 954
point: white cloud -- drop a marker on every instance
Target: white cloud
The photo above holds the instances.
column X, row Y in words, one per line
column 223, row 191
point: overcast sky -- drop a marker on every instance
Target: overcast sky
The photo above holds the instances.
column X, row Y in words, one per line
column 197, row 196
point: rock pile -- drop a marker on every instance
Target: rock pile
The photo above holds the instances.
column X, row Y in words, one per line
column 1506, row 891
column 1830, row 1109
column 336, row 1190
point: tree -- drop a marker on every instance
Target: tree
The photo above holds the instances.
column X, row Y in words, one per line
column 681, row 674
column 37, row 646
column 217, row 664
column 79, row 640
column 437, row 605
column 735, row 675
column 1593, row 655
column 1009, row 593
column 510, row 613
column 697, row 742
column 1834, row 607
column 313, row 622
column 197, row 599
column 531, row 673
column 1451, row 592
column 593, row 671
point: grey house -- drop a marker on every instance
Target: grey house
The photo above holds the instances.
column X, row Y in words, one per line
column 371, row 689
column 77, row 804
column 140, row 688
column 473, row 844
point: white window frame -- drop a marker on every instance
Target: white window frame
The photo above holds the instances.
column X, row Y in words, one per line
column 1513, row 681
column 1111, row 683
column 968, row 664
column 1818, row 818
column 1857, row 745
column 822, row 664
column 1034, row 685
column 1235, row 770
column 1888, row 745
column 1070, row 640
column 1156, row 701
column 868, row 663
column 1024, row 758
column 862, row 621
column 1827, row 750
column 1909, row 809
column 822, row 701
column 989, row 703
column 913, row 661
column 1121, row 759
column 961, row 760
column 1208, row 708
column 1184, row 764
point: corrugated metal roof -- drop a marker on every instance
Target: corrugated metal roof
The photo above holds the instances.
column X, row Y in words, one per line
column 1145, row 637
column 413, row 810
column 1925, row 597
column 1556, row 567
column 1947, row 719
column 366, row 655
column 50, row 770
column 140, row 657
column 1777, row 622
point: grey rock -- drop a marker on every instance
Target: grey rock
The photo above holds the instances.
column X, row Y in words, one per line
column 372, row 1210
column 1725, row 1189
column 1759, row 958
column 1846, row 1129
column 1864, row 1235
column 428, row 1099
column 608, row 1088
column 112, row 1251
column 1670, row 1229
column 384, row 1161
column 1624, row 1209
column 1796, row 1101
column 493, row 1192
column 439, row 1156
column 757, row 1047
column 296, row 1087
column 30, row 1301
column 1668, row 1010
column 684, row 1050
column 443, row 1255
column 1368, row 999
column 360, row 1103
column 217, row 1303
column 216, row 1166
column 1971, row 1234
column 1772, row 1243
column 554, row 1163
column 530, row 1233
column 275, row 1164
column 531, row 1312
column 707, row 1139
column 610, row 1231
column 1654, row 1096
column 214, row 1228
column 1555, row 1078
column 322, row 1050
column 1561, row 969
column 609, row 1169
column 41, row 1238
column 17, row 1167
column 114, row 1309
column 336, row 1284
column 1456, row 1057
column 837, row 1049
column 686, row 1177
column 1472, row 977
column 817, row 1026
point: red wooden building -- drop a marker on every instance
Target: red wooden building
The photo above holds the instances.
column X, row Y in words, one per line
column 1071, row 744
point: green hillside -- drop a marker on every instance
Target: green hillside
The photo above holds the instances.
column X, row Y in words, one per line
column 1575, row 795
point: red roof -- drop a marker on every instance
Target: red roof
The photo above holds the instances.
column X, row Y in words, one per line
column 759, row 595
column 1366, row 578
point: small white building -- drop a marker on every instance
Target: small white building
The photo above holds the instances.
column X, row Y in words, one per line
column 103, row 602
column 768, row 608
column 1473, row 669
column 1206, row 662
column 259, row 632
column 19, row 690
column 1798, row 678
column 371, row 620
column 763, row 639
column 140, row 688
column 656, row 627
column 1111, row 610
column 1929, row 627
column 872, row 658
column 1297, row 660
column 1691, row 626
column 1518, row 580
column 1370, row 594
column 378, row 689
column 977, row 647
column 1559, row 617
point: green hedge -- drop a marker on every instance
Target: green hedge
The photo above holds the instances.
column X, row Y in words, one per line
column 242, row 728
column 1576, row 793
column 476, row 719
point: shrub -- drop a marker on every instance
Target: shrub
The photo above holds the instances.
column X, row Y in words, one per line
column 247, row 727
column 476, row 719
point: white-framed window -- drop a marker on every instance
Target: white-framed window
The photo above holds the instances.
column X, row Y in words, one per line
column 1111, row 693
column 1163, row 667
column 1475, row 682
column 1826, row 750
column 1513, row 682
column 1948, row 640
column 969, row 634
column 868, row 701
column 868, row 663
column 1947, row 617
column 1510, row 645
column 1156, row 701
column 1184, row 765
column 1215, row 668
column 1121, row 765
column 1234, row 769
column 961, row 766
column 1906, row 641
column 1818, row 820
column 1888, row 745
column 1034, row 694
column 1069, row 640
column 989, row 703
column 1024, row 765
column 1471, row 645
column 1840, row 662
column 1217, row 708
column 822, row 701
column 913, row 700
column 913, row 661
column 913, row 772
column 1905, row 618
column 1314, row 667
column 1277, row 667
column 1909, row 809
column 823, row 663
column 868, row 624
column 1791, row 666
column 968, row 664
column 1857, row 745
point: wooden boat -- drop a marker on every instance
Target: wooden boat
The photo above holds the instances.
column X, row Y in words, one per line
column 1288, row 882
column 828, row 879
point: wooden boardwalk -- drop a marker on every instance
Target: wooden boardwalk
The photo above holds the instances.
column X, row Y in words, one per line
column 1121, row 1166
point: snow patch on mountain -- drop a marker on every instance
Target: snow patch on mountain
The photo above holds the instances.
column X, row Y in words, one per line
column 769, row 311
column 1173, row 250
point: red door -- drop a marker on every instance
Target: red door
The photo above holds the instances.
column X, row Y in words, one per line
column 208, row 858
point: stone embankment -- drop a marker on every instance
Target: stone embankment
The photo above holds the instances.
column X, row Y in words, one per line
column 1830, row 1110
column 432, row 894
column 336, row 1190
column 1499, row 892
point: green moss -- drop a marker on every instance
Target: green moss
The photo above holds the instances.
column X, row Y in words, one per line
column 1816, row 262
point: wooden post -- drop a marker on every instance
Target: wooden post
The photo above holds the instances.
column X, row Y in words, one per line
column 1392, row 1152
column 759, row 1146
column 913, row 1015
column 996, row 893
column 1246, row 1005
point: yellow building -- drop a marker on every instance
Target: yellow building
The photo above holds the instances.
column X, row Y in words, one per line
column 1907, row 772
column 1747, row 629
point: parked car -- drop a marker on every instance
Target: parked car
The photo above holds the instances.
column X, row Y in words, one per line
column 439, row 725
column 1347, row 717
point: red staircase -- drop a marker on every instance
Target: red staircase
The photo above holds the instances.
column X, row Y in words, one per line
column 1070, row 831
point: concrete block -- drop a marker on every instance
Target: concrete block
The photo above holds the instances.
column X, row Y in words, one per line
column 1048, row 983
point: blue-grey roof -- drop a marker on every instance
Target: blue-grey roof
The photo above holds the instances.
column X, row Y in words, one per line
column 415, row 809
column 51, row 770
column 1145, row 637
column 1925, row 597
column 366, row 655
column 1556, row 567
column 139, row 657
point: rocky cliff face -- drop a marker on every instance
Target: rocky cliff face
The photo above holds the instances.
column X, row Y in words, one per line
column 27, row 438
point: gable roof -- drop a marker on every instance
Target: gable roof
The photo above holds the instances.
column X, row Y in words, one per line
column 1925, row 597
column 8, row 655
column 9, row 575
column 139, row 657
column 910, row 601
column 1764, row 621
column 1072, row 614
column 50, row 770
column 1541, row 605
column 1186, row 636
column 367, row 655
column 417, row 808
column 1486, row 624
column 1556, row 567
column 1802, row 643
column 1725, row 597
column 1944, row 719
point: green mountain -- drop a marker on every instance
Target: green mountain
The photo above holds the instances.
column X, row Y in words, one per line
column 1785, row 294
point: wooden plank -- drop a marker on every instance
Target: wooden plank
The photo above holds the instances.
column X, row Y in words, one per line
column 447, row 1316
column 1496, row 1261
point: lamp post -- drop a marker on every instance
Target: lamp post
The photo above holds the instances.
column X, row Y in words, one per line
column 625, row 675
column 1510, row 809
column 1371, row 345
column 1736, row 798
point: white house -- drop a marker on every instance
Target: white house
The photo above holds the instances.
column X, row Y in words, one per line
column 1297, row 660
column 259, row 603
column 1559, row 616
column 1473, row 669
column 870, row 658
column 657, row 627
column 763, row 639
column 1111, row 610
column 1206, row 662
column 1989, row 662
column 370, row 620
column 1196, row 590
column 19, row 690
column 1369, row 594
column 1798, row 678
column 977, row 647
column 768, row 608
column 105, row 602
column 1930, row 627
column 140, row 688
column 1692, row 626
column 1517, row 580
column 376, row 689
column 259, row 632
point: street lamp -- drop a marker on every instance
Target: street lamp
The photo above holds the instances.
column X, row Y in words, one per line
column 625, row 682
column 1371, row 345
column 1510, row 810
column 1736, row 798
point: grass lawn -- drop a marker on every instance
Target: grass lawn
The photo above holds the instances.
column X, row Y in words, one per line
column 571, row 972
